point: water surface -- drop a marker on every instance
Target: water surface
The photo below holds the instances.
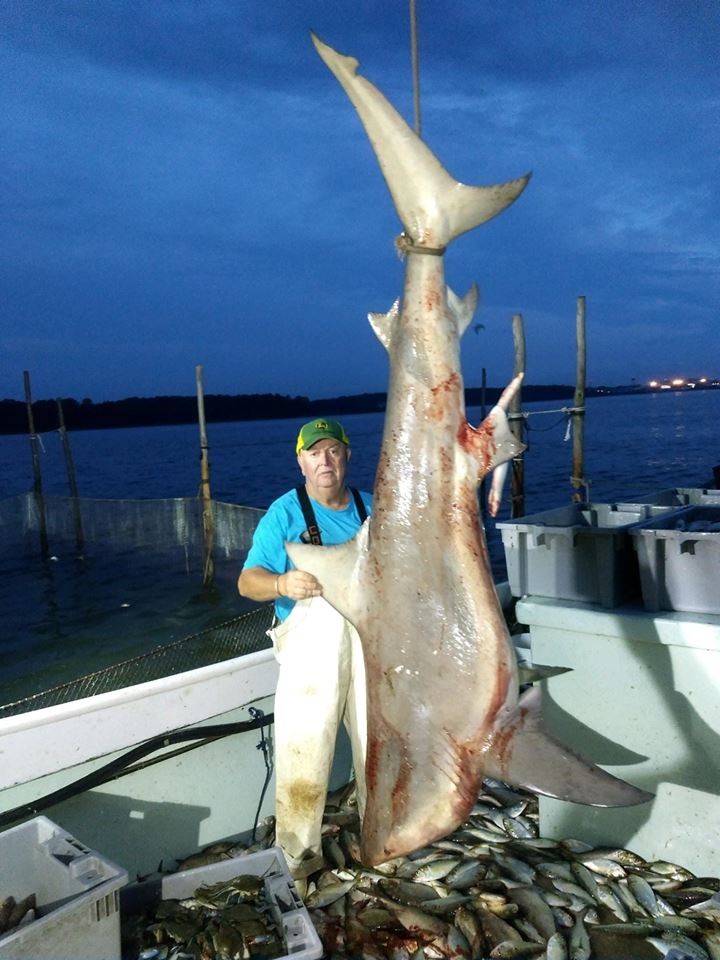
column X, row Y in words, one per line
column 64, row 617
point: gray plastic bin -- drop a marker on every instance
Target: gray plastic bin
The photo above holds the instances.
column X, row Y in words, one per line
column 679, row 560
column 579, row 552
column 676, row 497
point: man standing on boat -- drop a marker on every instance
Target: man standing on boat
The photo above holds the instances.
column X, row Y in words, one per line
column 322, row 674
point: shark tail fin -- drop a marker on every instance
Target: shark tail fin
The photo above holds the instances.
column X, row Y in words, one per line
column 523, row 753
column 434, row 207
column 472, row 206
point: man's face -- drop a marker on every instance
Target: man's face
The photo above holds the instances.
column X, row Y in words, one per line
column 324, row 464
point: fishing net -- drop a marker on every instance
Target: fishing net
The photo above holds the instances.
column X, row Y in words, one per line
column 150, row 535
column 171, row 527
column 234, row 638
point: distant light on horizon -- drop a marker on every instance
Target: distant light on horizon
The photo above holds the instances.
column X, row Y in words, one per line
column 670, row 383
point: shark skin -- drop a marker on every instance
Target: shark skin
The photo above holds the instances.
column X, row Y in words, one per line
column 442, row 683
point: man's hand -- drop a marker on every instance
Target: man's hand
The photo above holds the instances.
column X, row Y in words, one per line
column 298, row 585
column 260, row 584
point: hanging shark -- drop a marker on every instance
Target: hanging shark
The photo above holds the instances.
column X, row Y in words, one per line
column 442, row 682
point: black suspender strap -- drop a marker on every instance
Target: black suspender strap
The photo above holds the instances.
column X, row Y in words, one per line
column 309, row 513
column 362, row 512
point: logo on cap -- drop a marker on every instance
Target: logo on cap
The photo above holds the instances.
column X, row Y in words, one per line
column 319, row 430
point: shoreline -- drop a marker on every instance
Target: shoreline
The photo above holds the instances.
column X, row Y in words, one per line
column 222, row 408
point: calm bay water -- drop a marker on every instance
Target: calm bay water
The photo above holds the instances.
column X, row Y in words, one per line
column 62, row 620
column 632, row 443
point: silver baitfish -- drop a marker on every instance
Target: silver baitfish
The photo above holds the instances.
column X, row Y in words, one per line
column 515, row 898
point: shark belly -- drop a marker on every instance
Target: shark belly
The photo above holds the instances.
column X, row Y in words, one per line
column 438, row 660
column 442, row 693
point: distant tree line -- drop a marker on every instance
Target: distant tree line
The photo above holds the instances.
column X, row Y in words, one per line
column 161, row 411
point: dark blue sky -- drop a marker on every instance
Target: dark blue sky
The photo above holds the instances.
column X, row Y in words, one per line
column 185, row 182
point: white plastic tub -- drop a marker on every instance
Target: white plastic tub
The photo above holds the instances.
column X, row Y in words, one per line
column 77, row 893
column 289, row 912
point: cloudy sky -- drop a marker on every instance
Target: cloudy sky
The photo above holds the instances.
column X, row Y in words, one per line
column 184, row 182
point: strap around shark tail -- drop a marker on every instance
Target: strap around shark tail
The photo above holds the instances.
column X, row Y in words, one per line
column 434, row 208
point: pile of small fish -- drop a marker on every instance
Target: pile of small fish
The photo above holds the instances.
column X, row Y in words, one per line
column 16, row 913
column 231, row 919
column 496, row 889
column 493, row 889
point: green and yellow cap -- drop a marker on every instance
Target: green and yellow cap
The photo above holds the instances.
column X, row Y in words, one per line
column 320, row 430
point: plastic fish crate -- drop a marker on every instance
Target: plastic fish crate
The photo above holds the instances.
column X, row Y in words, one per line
column 77, row 893
column 679, row 560
column 291, row 916
column 579, row 552
column 676, row 497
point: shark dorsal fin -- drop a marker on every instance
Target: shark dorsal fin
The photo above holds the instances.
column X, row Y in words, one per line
column 463, row 308
column 384, row 323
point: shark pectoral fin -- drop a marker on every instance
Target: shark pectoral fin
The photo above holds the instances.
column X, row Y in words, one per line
column 492, row 444
column 510, row 390
column 336, row 569
column 463, row 308
column 522, row 753
column 384, row 324
column 496, row 424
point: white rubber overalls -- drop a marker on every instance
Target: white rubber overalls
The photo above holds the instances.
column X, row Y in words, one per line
column 321, row 682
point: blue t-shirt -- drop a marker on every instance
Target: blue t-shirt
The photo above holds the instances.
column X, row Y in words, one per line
column 284, row 521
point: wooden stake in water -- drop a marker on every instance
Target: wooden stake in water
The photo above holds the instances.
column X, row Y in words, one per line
column 207, row 512
column 578, row 481
column 37, row 474
column 483, row 407
column 518, row 463
column 72, row 480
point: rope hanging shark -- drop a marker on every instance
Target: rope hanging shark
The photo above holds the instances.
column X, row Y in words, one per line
column 442, row 685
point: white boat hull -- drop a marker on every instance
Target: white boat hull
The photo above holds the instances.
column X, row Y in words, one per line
column 162, row 810
column 55, row 738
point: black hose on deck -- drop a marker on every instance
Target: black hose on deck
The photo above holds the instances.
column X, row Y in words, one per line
column 118, row 767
